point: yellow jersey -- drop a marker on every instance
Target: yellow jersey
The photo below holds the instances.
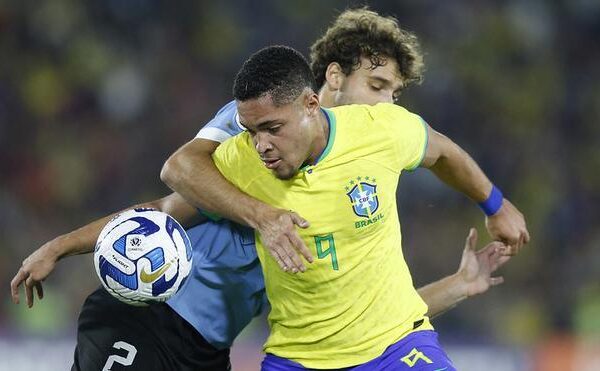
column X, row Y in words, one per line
column 357, row 298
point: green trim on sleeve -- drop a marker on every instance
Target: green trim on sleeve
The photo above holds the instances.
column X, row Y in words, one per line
column 424, row 147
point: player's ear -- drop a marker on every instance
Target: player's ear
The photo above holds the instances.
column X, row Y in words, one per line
column 311, row 101
column 334, row 76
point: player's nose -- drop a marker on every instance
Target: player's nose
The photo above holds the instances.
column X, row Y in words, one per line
column 261, row 143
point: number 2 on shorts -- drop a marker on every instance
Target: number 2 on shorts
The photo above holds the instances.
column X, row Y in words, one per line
column 125, row 361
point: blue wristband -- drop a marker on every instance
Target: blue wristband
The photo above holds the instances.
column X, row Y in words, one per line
column 493, row 202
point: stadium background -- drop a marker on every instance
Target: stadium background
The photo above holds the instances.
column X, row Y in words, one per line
column 95, row 95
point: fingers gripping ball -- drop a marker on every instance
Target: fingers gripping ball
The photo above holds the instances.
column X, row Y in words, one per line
column 143, row 256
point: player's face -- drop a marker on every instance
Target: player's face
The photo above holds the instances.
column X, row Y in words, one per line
column 370, row 86
column 283, row 136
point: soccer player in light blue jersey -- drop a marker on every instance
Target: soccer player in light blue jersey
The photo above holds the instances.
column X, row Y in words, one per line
column 225, row 289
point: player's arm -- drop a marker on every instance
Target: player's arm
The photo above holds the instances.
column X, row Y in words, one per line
column 474, row 276
column 37, row 266
column 455, row 167
column 191, row 172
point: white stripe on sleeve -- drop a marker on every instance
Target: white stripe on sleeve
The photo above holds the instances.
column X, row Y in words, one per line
column 214, row 134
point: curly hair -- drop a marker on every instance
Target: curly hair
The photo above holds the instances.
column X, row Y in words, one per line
column 278, row 70
column 360, row 33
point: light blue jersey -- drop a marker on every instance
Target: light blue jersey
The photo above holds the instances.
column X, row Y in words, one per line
column 225, row 288
column 223, row 126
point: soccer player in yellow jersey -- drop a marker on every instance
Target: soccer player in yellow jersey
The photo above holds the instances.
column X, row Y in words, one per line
column 355, row 306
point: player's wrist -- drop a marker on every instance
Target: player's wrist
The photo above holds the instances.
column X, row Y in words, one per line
column 460, row 286
column 261, row 215
column 55, row 249
column 493, row 203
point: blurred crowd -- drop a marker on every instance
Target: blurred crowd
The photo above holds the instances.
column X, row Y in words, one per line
column 95, row 95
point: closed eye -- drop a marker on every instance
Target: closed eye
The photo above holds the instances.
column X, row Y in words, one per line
column 274, row 129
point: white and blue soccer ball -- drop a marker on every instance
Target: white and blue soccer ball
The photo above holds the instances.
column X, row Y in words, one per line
column 143, row 256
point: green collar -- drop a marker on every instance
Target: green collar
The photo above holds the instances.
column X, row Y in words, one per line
column 330, row 116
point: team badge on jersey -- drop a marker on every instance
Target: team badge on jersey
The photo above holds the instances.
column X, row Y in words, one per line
column 363, row 196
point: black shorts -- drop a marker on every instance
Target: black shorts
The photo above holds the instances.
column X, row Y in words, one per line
column 112, row 335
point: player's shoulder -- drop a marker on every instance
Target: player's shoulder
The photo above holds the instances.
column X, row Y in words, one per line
column 237, row 152
column 389, row 109
column 372, row 118
column 371, row 112
column 238, row 145
column 224, row 124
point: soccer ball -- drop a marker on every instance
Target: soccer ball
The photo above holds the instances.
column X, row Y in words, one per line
column 143, row 256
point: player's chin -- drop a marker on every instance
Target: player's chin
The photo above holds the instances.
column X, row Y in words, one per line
column 284, row 172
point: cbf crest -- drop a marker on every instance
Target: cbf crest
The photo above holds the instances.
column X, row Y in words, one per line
column 363, row 196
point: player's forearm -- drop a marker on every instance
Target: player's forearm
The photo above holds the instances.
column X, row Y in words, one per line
column 456, row 168
column 79, row 241
column 443, row 295
column 83, row 240
column 192, row 173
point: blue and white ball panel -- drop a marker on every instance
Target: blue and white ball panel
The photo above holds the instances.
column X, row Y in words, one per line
column 223, row 126
column 143, row 256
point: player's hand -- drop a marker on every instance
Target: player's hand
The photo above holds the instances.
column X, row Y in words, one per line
column 508, row 226
column 279, row 236
column 35, row 268
column 476, row 267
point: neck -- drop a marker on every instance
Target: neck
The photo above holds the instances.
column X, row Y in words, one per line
column 326, row 97
column 321, row 138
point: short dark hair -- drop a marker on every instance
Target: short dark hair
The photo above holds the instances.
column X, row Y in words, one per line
column 277, row 70
column 360, row 33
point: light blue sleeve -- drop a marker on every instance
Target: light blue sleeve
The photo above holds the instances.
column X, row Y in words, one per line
column 223, row 126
